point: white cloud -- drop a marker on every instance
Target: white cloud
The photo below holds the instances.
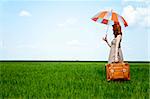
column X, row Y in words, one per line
column 136, row 16
column 67, row 22
column 33, row 46
column 136, row 0
column 129, row 14
column 24, row 13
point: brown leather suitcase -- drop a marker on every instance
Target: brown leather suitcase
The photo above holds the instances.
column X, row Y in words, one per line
column 117, row 71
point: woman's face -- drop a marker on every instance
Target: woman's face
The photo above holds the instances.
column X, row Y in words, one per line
column 117, row 25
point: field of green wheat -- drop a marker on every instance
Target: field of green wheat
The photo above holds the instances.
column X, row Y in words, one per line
column 73, row 80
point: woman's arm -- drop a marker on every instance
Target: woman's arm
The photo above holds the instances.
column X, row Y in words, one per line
column 118, row 39
column 105, row 39
column 108, row 44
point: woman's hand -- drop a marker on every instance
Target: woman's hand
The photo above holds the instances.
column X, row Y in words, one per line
column 105, row 38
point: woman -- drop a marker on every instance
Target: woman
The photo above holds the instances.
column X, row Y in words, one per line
column 115, row 51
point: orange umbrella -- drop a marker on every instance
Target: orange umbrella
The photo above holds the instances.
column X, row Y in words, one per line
column 109, row 17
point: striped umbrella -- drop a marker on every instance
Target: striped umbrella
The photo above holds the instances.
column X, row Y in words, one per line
column 109, row 18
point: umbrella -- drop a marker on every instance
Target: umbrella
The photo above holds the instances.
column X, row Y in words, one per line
column 109, row 18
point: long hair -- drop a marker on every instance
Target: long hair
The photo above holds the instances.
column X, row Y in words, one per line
column 117, row 29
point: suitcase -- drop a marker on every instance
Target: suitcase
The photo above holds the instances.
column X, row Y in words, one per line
column 117, row 71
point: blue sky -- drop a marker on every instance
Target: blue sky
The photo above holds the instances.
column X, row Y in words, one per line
column 63, row 29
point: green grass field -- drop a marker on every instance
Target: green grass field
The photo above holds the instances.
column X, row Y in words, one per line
column 80, row 80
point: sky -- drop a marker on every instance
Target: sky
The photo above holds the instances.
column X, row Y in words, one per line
column 63, row 29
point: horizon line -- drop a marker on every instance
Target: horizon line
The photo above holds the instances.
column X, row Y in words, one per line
column 69, row 61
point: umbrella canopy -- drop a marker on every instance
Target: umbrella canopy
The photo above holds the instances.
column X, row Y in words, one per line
column 109, row 17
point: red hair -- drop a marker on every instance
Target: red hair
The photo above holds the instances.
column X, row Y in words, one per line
column 117, row 29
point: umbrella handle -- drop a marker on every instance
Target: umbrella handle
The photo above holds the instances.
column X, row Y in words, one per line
column 107, row 29
column 108, row 24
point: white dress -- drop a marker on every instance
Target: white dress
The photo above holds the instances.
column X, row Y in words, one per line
column 112, row 52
